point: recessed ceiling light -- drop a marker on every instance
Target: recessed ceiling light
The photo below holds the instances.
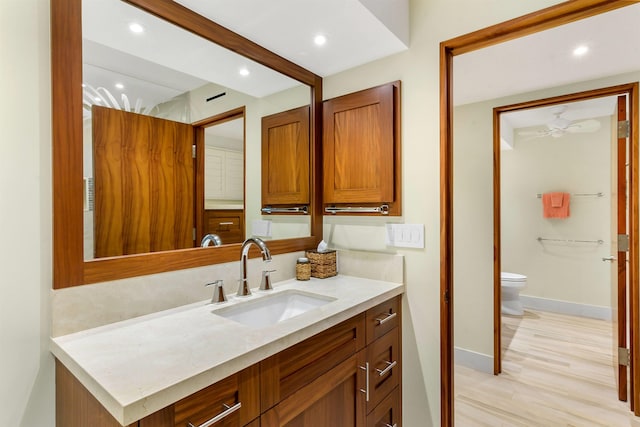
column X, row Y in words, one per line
column 580, row 50
column 244, row 72
column 136, row 28
column 119, row 86
column 319, row 40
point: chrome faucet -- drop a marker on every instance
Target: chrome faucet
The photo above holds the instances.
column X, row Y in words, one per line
column 213, row 239
column 243, row 288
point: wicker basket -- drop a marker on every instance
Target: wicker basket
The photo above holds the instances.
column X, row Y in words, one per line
column 323, row 264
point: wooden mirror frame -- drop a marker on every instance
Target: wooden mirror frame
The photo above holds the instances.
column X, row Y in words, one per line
column 534, row 22
column 69, row 266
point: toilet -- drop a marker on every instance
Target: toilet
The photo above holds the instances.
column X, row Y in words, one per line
column 511, row 284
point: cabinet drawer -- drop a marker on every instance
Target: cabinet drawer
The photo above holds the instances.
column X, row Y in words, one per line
column 383, row 357
column 388, row 413
column 235, row 400
column 288, row 371
column 382, row 318
column 228, row 224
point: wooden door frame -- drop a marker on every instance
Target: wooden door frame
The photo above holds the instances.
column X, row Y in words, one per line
column 631, row 91
column 544, row 19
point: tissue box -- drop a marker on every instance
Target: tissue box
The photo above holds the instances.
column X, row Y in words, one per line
column 323, row 264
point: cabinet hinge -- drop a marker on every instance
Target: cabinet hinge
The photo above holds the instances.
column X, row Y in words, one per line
column 623, row 129
column 193, row 151
column 623, row 356
column 194, row 233
column 623, row 243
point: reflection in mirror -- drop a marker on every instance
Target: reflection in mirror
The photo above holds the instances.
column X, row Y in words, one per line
column 224, row 179
column 154, row 68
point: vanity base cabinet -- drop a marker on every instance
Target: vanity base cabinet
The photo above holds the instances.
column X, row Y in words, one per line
column 347, row 375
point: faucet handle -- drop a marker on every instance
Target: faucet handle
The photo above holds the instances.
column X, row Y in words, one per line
column 265, row 284
column 218, row 291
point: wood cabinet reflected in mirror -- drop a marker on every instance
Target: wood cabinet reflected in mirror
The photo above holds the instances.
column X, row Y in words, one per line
column 70, row 268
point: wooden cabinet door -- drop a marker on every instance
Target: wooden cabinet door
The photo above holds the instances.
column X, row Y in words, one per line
column 285, row 373
column 235, row 400
column 333, row 399
column 143, row 183
column 285, row 158
column 361, row 147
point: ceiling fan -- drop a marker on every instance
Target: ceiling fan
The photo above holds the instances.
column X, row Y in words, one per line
column 560, row 126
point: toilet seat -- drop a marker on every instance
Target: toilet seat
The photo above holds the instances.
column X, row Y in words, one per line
column 512, row 277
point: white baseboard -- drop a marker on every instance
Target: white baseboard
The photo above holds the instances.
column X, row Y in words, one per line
column 564, row 307
column 471, row 359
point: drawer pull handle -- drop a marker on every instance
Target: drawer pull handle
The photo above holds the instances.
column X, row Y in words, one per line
column 386, row 319
column 365, row 368
column 228, row 411
column 389, row 425
column 385, row 371
column 226, row 223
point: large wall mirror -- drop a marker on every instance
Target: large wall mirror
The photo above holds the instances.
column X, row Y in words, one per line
column 132, row 105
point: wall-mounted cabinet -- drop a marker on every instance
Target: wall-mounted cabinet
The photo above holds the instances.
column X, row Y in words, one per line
column 361, row 150
column 285, row 158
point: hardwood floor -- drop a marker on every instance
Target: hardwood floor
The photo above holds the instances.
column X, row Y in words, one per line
column 557, row 371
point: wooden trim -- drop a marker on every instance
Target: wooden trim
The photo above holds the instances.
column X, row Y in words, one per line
column 634, row 262
column 315, row 132
column 183, row 17
column 551, row 17
column 69, row 267
column 446, row 238
column 106, row 269
column 66, row 116
column 497, row 254
column 621, row 220
column 544, row 19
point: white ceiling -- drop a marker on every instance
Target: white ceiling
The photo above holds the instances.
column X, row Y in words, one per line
column 165, row 60
column 357, row 31
column 545, row 59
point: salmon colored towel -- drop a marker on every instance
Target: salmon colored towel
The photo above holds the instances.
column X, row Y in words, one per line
column 555, row 205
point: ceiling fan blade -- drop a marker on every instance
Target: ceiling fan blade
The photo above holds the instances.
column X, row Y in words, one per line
column 532, row 134
column 584, row 126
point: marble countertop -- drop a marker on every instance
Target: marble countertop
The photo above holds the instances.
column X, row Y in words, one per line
column 139, row 366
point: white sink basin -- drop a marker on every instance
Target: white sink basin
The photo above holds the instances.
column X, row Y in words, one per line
column 271, row 309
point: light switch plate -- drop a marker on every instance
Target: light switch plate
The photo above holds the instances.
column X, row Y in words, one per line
column 405, row 235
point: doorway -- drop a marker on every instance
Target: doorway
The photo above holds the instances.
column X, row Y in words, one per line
column 541, row 20
column 615, row 100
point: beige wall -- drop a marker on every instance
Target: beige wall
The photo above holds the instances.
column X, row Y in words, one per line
column 575, row 163
column 473, row 273
column 26, row 369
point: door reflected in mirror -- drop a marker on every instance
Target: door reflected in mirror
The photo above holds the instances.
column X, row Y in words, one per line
column 173, row 75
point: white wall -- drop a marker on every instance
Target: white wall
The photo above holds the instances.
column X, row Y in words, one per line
column 574, row 163
column 25, row 218
column 26, row 367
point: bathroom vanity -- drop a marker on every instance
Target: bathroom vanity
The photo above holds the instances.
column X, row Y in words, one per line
column 338, row 362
